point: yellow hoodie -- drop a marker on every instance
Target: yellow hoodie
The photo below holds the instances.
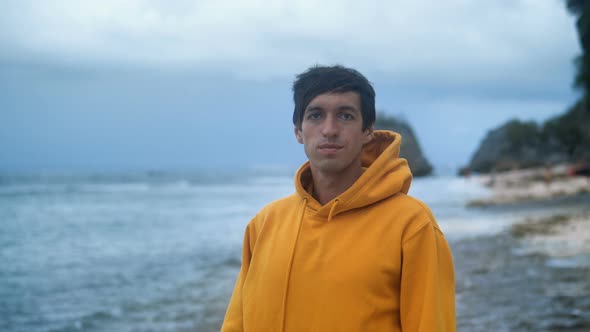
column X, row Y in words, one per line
column 372, row 259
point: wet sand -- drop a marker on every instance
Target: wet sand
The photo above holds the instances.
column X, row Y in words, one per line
column 534, row 276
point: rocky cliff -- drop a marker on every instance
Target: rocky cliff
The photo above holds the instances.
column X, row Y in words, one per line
column 410, row 148
column 518, row 145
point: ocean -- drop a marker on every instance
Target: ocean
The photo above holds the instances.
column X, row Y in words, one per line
column 156, row 251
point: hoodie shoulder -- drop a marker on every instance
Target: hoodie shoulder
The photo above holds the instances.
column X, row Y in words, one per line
column 280, row 205
column 416, row 212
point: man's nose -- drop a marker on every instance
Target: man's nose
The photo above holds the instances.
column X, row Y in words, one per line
column 330, row 127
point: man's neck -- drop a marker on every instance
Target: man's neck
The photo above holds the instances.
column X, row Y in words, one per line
column 327, row 186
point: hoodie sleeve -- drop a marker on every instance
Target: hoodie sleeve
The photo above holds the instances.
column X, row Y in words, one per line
column 427, row 282
column 234, row 319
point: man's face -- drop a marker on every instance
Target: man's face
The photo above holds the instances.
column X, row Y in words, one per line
column 331, row 132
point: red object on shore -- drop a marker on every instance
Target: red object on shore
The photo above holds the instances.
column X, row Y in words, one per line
column 580, row 170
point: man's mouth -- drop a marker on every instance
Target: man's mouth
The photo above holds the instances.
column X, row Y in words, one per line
column 329, row 147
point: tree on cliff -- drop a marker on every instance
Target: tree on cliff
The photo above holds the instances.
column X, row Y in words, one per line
column 581, row 9
column 573, row 128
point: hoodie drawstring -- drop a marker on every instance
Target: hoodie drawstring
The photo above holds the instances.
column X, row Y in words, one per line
column 331, row 214
column 289, row 267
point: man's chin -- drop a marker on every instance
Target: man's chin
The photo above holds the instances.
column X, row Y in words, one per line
column 328, row 165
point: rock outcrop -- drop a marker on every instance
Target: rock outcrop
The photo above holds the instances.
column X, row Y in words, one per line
column 410, row 148
column 518, row 145
column 515, row 145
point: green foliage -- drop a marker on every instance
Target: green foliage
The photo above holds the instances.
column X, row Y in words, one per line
column 572, row 130
column 581, row 9
column 522, row 134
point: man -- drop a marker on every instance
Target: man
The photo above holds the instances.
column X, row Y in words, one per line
column 350, row 250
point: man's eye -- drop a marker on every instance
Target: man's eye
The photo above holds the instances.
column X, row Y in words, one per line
column 313, row 116
column 346, row 116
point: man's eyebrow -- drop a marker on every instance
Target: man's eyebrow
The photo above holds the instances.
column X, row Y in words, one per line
column 340, row 108
column 347, row 108
column 313, row 108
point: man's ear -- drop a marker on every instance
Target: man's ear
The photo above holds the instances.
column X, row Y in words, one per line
column 298, row 135
column 368, row 135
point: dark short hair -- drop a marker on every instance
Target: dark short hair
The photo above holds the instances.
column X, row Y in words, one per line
column 318, row 80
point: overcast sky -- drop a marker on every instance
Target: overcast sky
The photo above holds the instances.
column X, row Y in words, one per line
column 140, row 84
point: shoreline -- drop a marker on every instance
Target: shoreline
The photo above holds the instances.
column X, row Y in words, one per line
column 529, row 185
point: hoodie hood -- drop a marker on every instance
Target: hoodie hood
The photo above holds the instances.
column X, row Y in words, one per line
column 385, row 175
